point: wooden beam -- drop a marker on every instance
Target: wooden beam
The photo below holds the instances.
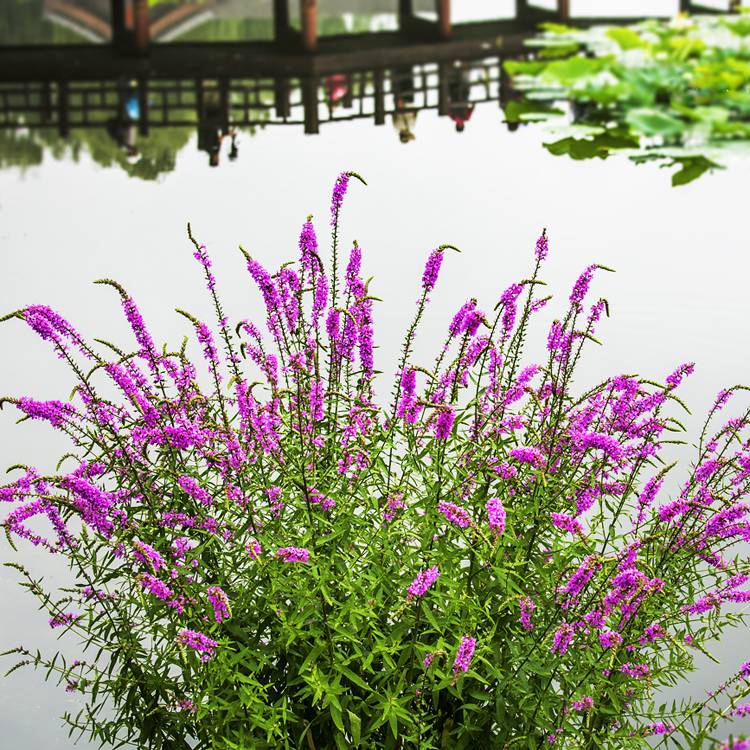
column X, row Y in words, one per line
column 444, row 18
column 379, row 81
column 309, row 18
column 117, row 11
column 309, row 86
column 143, row 113
column 63, row 108
column 281, row 91
column 224, row 104
column 141, row 31
column 405, row 14
column 281, row 23
column 444, row 71
column 563, row 10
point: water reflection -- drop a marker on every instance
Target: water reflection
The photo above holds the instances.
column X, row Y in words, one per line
column 135, row 103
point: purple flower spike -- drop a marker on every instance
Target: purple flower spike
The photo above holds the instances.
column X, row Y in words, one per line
column 464, row 654
column 432, row 270
column 339, row 191
column 422, row 583
column 199, row 642
column 542, row 246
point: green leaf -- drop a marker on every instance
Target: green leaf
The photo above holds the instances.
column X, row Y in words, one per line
column 526, row 110
column 650, row 122
column 356, row 727
column 691, row 169
column 626, row 38
column 574, row 69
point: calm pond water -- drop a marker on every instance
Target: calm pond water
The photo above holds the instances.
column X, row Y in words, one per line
column 680, row 291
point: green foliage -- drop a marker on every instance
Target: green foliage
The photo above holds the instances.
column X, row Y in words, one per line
column 678, row 91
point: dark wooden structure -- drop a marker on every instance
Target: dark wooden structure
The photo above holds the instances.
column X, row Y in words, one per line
column 287, row 80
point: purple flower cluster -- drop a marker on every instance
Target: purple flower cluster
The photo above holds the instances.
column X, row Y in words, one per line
column 464, row 654
column 455, row 514
column 496, row 516
column 199, row 642
column 220, row 603
column 293, row 554
column 422, row 583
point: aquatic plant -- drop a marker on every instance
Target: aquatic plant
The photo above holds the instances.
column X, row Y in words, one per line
column 269, row 550
column 676, row 92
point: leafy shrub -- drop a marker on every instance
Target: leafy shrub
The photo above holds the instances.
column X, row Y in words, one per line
column 486, row 558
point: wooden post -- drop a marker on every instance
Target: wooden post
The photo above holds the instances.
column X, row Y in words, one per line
column 444, row 18
column 379, row 79
column 309, row 86
column 523, row 11
column 280, row 20
column 46, row 102
column 444, row 71
column 117, row 22
column 143, row 114
column 224, row 104
column 281, row 98
column 405, row 14
column 309, row 18
column 141, row 32
column 563, row 10
column 63, row 108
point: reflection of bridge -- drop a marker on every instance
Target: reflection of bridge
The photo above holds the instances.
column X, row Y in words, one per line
column 296, row 78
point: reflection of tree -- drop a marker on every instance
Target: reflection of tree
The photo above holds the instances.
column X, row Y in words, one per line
column 157, row 153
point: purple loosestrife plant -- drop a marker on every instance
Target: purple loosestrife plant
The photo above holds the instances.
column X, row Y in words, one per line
column 269, row 550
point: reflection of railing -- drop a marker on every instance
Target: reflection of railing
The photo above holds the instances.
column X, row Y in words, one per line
column 217, row 87
column 310, row 102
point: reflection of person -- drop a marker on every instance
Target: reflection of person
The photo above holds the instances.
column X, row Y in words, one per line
column 460, row 108
column 211, row 126
column 337, row 89
column 122, row 128
column 234, row 151
column 404, row 115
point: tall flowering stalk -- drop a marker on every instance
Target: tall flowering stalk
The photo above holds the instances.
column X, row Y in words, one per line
column 488, row 558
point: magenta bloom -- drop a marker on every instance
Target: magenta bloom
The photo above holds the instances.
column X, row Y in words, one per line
column 638, row 671
column 496, row 515
column 199, row 642
column 542, row 247
column 155, row 586
column 455, row 514
column 566, row 523
column 189, row 485
column 432, row 270
column 63, row 619
column 736, row 745
column 581, row 287
column 464, row 654
column 421, row 584
column 609, row 638
column 337, row 198
column 585, row 703
column 528, row 455
column 395, row 503
column 146, row 554
column 220, row 602
column 444, row 423
column 293, row 554
column 527, row 609
column 563, row 637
